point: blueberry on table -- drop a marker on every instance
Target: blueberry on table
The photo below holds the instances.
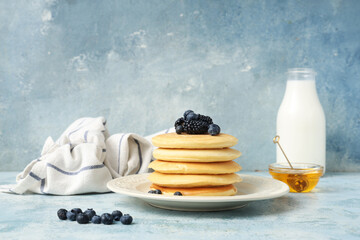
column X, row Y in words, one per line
column 107, row 218
column 96, row 219
column 82, row 218
column 177, row 193
column 90, row 212
column 76, row 210
column 71, row 216
column 126, row 219
column 116, row 215
column 62, row 214
column 214, row 129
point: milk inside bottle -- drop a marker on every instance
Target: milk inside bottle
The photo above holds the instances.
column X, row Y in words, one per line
column 301, row 120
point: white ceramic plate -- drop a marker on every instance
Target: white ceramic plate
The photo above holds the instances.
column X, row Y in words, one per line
column 252, row 188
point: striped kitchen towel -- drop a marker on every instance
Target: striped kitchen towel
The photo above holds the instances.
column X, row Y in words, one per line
column 84, row 159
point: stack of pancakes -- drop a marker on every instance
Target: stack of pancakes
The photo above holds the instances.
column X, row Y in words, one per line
column 195, row 165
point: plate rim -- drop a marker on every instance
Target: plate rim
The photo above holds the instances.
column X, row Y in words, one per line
column 282, row 190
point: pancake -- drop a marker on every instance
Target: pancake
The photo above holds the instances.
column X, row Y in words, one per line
column 228, row 190
column 195, row 168
column 196, row 155
column 197, row 141
column 194, row 180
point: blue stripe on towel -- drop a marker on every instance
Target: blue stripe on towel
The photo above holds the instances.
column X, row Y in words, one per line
column 85, row 135
column 119, row 153
column 77, row 128
column 42, row 185
column 36, row 177
column 167, row 130
column 140, row 155
column 77, row 172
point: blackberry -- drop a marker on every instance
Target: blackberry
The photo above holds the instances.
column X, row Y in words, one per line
column 206, row 119
column 179, row 122
column 195, row 127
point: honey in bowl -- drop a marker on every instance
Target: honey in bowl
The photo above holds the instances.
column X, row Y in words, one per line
column 303, row 177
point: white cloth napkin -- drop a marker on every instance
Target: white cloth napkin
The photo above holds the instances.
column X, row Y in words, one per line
column 84, row 159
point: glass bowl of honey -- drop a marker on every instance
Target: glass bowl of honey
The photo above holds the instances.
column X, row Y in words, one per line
column 302, row 177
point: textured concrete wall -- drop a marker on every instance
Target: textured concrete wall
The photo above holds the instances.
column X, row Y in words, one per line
column 142, row 63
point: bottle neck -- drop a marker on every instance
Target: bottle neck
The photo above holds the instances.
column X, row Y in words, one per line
column 301, row 74
column 301, row 90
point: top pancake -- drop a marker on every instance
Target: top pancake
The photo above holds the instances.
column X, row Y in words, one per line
column 194, row 141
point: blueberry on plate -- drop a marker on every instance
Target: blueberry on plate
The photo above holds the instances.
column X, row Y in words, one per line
column 71, row 216
column 157, row 191
column 82, row 218
column 90, row 212
column 126, row 219
column 96, row 219
column 151, row 191
column 177, row 193
column 62, row 214
column 107, row 218
column 116, row 215
column 76, row 210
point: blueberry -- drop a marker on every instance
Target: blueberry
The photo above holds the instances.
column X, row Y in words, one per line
column 179, row 129
column 107, row 218
column 177, row 193
column 82, row 218
column 96, row 219
column 126, row 219
column 76, row 210
column 62, row 214
column 116, row 215
column 187, row 112
column 157, row 191
column 151, row 191
column 90, row 212
column 192, row 116
column 214, row 129
column 71, row 216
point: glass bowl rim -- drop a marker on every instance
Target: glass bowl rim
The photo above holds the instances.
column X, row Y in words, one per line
column 305, row 167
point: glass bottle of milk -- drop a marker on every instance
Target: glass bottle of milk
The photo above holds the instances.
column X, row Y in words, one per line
column 301, row 120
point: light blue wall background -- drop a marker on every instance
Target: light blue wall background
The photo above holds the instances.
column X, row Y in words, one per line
column 142, row 63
